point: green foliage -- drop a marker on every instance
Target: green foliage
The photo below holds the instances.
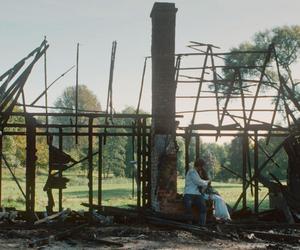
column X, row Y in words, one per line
column 114, row 156
column 214, row 155
column 130, row 147
column 245, row 59
column 11, row 151
column 180, row 157
column 286, row 40
column 14, row 146
column 235, row 155
column 230, row 156
column 87, row 100
column 281, row 158
column 130, row 154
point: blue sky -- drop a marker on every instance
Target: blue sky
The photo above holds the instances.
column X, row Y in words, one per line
column 95, row 24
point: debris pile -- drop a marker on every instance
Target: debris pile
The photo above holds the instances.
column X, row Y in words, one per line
column 120, row 227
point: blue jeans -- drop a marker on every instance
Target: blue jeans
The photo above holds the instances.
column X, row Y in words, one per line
column 197, row 200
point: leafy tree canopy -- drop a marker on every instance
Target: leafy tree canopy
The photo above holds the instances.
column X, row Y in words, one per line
column 87, row 100
column 286, row 40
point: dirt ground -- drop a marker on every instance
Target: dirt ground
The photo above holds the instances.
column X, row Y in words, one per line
column 128, row 237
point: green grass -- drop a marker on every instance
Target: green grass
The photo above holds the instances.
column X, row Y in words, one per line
column 231, row 191
column 116, row 191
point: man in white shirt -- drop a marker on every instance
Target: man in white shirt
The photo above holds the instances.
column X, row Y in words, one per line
column 192, row 194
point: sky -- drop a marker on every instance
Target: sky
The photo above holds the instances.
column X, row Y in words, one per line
column 96, row 23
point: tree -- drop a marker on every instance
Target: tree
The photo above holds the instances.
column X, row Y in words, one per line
column 14, row 148
column 114, row 156
column 235, row 155
column 286, row 40
column 129, row 148
column 180, row 156
column 281, row 158
column 215, row 155
column 87, row 101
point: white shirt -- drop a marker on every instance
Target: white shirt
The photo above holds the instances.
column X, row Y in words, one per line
column 193, row 182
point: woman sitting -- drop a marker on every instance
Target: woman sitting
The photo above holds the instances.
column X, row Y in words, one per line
column 220, row 207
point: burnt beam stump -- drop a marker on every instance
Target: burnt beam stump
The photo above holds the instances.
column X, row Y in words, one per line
column 30, row 166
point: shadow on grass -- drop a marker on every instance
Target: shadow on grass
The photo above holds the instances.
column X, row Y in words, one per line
column 106, row 194
column 226, row 186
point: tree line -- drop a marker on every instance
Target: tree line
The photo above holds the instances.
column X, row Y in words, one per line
column 118, row 152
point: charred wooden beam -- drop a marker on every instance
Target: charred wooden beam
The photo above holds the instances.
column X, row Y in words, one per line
column 30, row 166
column 1, row 147
column 100, row 167
column 90, row 162
column 56, row 237
column 60, row 194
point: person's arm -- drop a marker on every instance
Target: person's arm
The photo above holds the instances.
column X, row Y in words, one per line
column 197, row 180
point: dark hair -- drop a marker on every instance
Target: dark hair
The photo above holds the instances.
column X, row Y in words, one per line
column 201, row 163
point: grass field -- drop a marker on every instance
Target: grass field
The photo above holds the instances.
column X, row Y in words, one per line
column 116, row 192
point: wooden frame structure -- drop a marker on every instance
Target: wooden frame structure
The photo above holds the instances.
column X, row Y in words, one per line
column 139, row 131
column 223, row 81
column 220, row 89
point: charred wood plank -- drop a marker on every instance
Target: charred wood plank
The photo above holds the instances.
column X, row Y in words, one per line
column 187, row 227
column 53, row 216
column 56, row 237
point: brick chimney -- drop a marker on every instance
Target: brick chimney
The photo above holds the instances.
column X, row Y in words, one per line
column 163, row 156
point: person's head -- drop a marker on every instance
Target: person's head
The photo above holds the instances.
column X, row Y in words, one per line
column 199, row 165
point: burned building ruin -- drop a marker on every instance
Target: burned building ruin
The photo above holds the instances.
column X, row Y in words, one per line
column 156, row 147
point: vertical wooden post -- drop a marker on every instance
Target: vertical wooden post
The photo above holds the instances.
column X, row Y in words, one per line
column 76, row 94
column 100, row 171
column 133, row 164
column 1, row 145
column 60, row 146
column 30, row 166
column 197, row 146
column 244, row 171
column 149, row 186
column 256, row 171
column 51, row 203
column 144, row 164
column 90, row 162
column 139, row 142
column 46, row 92
column 187, row 155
